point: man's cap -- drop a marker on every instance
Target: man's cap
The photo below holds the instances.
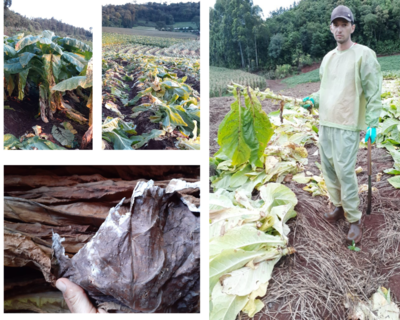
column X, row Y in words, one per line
column 342, row 12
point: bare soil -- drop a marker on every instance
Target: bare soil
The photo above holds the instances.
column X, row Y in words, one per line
column 323, row 274
column 25, row 116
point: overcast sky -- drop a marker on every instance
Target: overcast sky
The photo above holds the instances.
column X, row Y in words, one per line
column 103, row 2
column 267, row 5
column 73, row 12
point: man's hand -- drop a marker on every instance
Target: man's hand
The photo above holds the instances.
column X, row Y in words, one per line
column 307, row 104
column 76, row 298
column 371, row 133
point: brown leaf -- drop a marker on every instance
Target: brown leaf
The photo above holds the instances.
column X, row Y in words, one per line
column 76, row 235
column 147, row 260
column 288, row 177
column 49, row 181
column 30, row 211
column 87, row 137
column 106, row 190
column 20, row 250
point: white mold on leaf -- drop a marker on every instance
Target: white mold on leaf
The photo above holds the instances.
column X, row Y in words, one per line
column 178, row 184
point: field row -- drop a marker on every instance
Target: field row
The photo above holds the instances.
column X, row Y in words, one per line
column 150, row 100
column 186, row 49
column 221, row 77
column 115, row 38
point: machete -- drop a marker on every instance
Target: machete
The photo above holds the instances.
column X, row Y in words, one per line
column 369, row 169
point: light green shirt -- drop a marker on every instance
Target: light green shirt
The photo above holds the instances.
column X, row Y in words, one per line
column 350, row 93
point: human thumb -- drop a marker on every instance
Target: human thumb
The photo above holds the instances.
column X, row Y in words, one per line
column 75, row 297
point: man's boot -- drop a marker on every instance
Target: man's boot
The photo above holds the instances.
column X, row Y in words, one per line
column 355, row 232
column 335, row 215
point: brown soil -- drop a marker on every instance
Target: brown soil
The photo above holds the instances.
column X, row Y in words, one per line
column 316, row 281
column 142, row 121
column 314, row 66
column 25, row 116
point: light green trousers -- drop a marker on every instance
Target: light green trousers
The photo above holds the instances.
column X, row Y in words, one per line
column 338, row 149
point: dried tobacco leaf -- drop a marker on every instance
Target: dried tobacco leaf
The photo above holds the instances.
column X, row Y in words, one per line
column 108, row 190
column 147, row 260
column 31, row 211
column 20, row 251
column 38, row 181
column 76, row 235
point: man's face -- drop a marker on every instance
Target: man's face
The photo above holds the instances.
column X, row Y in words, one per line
column 341, row 29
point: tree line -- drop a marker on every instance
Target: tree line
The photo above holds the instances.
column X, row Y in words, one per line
column 241, row 38
column 129, row 14
column 14, row 21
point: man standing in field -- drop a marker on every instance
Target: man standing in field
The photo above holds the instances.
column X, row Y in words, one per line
column 349, row 101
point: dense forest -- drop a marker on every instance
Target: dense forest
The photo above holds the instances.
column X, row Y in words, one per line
column 129, row 15
column 295, row 36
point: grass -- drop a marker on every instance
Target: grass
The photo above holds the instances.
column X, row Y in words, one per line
column 185, row 24
column 132, row 39
column 390, row 67
column 144, row 28
column 150, row 33
column 221, row 77
column 143, row 24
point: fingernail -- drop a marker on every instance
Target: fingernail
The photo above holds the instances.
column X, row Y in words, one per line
column 61, row 286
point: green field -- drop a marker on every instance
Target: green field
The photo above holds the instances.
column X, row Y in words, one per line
column 144, row 28
column 184, row 24
column 143, row 31
column 390, row 66
column 150, row 25
column 221, row 77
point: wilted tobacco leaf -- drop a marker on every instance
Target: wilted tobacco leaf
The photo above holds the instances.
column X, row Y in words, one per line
column 113, row 107
column 64, row 136
column 44, row 302
column 87, row 137
column 147, row 260
column 69, row 127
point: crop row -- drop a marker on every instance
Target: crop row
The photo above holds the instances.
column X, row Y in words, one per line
column 186, row 49
column 221, row 77
column 174, row 104
column 114, row 39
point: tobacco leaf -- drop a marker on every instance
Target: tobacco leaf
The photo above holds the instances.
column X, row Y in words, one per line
column 20, row 251
column 147, row 260
column 76, row 235
column 44, row 302
column 87, row 137
column 37, row 181
column 106, row 190
column 190, row 173
column 31, row 211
